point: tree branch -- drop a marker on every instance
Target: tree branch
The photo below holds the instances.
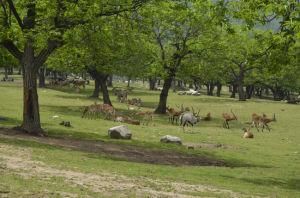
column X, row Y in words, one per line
column 45, row 53
column 12, row 48
column 15, row 13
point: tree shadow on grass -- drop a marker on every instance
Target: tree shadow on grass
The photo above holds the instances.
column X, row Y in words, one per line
column 131, row 151
column 65, row 110
column 292, row 184
column 9, row 121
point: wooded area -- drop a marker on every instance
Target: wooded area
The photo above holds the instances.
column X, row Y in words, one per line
column 250, row 46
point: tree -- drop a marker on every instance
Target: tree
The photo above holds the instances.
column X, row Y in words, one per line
column 38, row 27
column 175, row 27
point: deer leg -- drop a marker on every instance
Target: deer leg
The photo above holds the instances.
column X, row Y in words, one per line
column 267, row 126
column 227, row 124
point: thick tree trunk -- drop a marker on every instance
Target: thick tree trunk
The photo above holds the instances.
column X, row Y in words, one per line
column 96, row 89
column 162, row 105
column 103, row 85
column 31, row 116
column 42, row 77
column 242, row 95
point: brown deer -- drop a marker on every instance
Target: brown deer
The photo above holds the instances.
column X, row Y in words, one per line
column 126, row 119
column 255, row 120
column 247, row 133
column 207, row 117
column 95, row 110
column 264, row 121
column 173, row 114
column 147, row 116
column 227, row 118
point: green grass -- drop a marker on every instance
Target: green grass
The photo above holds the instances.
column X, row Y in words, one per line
column 268, row 165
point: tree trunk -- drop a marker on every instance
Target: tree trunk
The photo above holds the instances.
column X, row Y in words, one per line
column 234, row 90
column 42, row 77
column 249, row 91
column 31, row 116
column 5, row 73
column 103, row 85
column 110, row 80
column 219, row 88
column 152, row 82
column 128, row 82
column 96, row 89
column 162, row 105
column 242, row 95
column 211, row 89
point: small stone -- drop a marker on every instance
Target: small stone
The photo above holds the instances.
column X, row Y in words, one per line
column 171, row 139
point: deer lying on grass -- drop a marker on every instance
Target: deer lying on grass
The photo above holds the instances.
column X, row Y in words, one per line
column 146, row 116
column 264, row 121
column 173, row 114
column 227, row 118
column 247, row 133
column 126, row 119
column 134, row 102
column 189, row 118
column 207, row 117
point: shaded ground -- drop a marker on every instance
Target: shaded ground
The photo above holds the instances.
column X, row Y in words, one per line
column 119, row 151
column 18, row 161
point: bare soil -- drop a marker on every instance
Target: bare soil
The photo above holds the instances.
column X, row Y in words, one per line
column 119, row 151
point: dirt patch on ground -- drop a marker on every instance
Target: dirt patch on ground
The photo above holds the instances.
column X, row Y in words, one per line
column 122, row 152
column 105, row 183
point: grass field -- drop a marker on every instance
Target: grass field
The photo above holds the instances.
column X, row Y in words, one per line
column 266, row 166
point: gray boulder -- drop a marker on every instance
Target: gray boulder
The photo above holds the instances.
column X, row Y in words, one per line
column 170, row 139
column 119, row 132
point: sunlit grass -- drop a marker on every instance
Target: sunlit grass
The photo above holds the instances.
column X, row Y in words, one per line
column 273, row 157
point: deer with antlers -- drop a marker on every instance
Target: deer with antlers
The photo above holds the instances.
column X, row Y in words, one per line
column 227, row 118
column 189, row 118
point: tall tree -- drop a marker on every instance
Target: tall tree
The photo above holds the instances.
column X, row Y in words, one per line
column 37, row 27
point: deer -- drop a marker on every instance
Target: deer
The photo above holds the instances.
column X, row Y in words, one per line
column 189, row 118
column 94, row 110
column 147, row 116
column 264, row 121
column 255, row 120
column 173, row 114
column 126, row 119
column 227, row 118
column 247, row 133
column 134, row 102
column 207, row 117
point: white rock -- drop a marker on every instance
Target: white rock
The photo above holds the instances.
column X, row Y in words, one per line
column 119, row 132
column 170, row 139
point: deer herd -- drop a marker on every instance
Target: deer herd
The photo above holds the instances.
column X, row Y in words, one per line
column 184, row 116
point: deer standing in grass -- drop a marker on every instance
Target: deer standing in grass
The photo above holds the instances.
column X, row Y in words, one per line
column 227, row 118
column 255, row 120
column 264, row 121
column 189, row 118
column 146, row 116
column 173, row 114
